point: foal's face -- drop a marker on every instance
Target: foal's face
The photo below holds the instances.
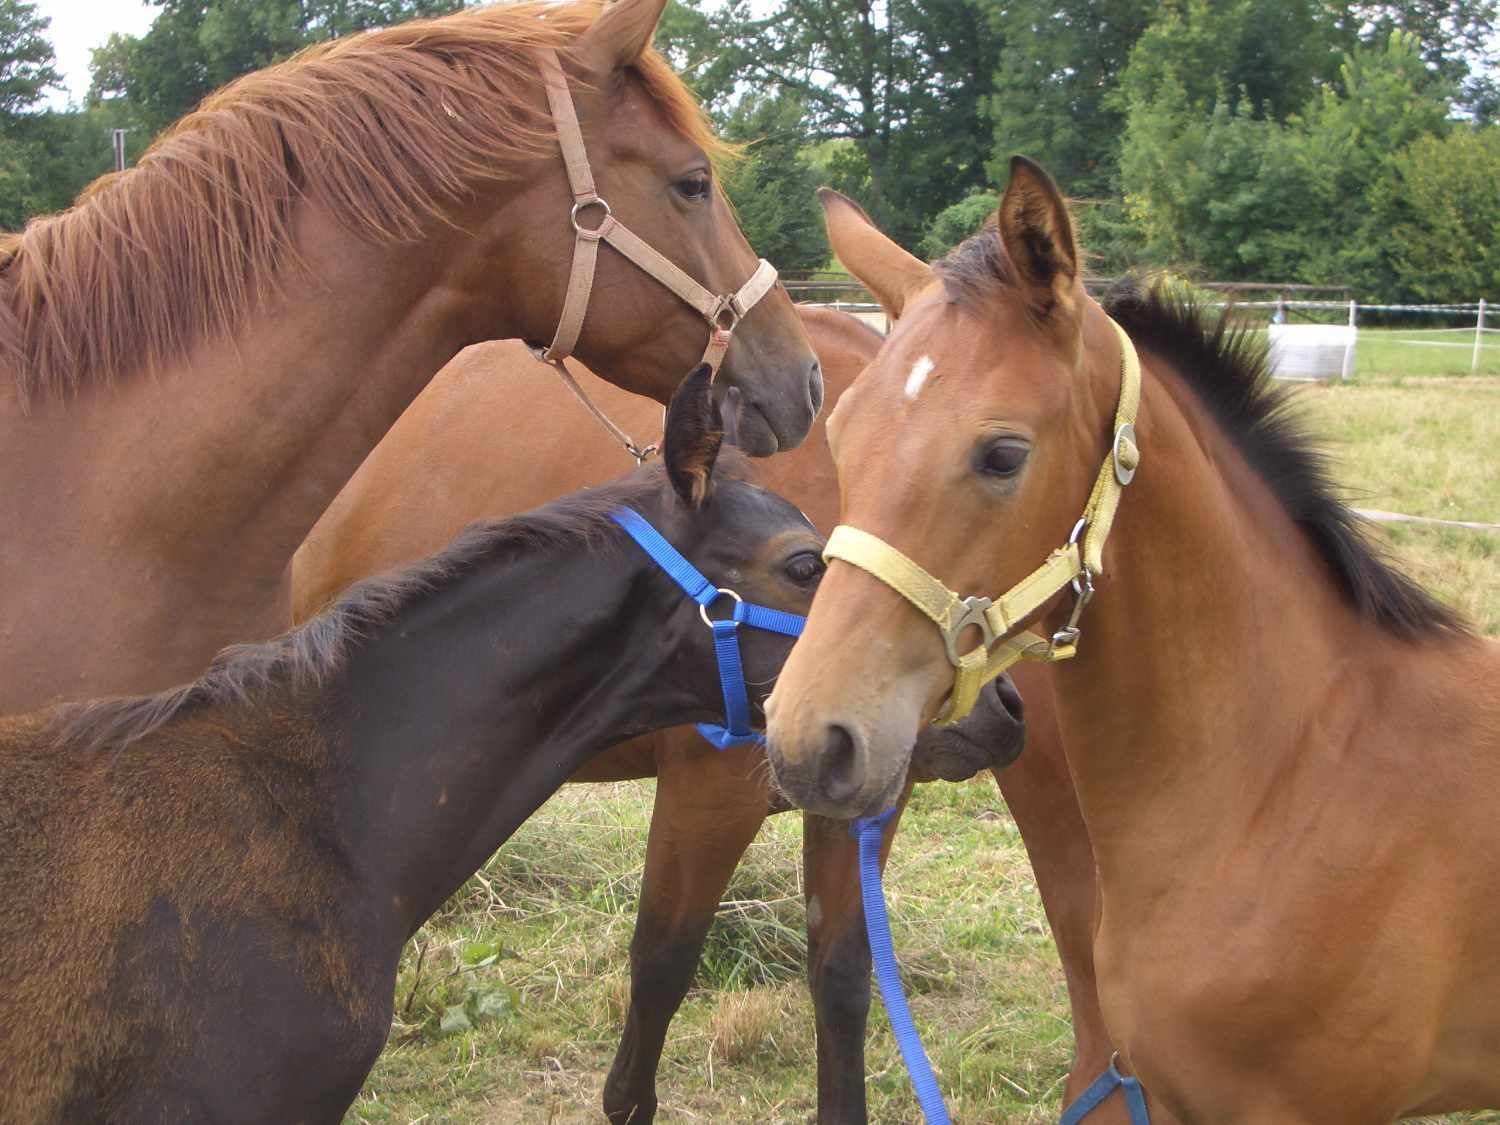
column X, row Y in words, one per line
column 751, row 541
column 968, row 444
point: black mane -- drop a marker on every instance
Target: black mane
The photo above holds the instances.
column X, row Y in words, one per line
column 1229, row 370
column 308, row 655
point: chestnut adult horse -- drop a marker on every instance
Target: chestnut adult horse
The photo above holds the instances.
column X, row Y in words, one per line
column 1287, row 754
column 434, row 473
column 203, row 350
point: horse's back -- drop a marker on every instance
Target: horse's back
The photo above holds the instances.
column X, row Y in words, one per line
column 156, row 891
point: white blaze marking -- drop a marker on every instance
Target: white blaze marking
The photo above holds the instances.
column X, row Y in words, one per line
column 919, row 372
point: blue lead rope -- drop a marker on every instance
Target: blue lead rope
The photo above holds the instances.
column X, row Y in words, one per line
column 736, row 729
column 868, row 830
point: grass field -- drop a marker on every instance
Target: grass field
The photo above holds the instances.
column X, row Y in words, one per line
column 533, row 953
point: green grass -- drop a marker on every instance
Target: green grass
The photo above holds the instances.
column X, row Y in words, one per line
column 540, row 938
column 1423, row 353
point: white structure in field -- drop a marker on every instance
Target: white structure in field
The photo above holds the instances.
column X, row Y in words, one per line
column 1310, row 351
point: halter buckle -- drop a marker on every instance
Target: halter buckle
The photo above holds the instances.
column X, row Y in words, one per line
column 975, row 612
column 721, row 592
column 583, row 231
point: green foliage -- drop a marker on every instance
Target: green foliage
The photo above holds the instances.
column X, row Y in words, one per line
column 773, row 188
column 907, row 82
column 1245, row 196
column 1271, row 53
column 27, row 72
column 1058, row 63
column 27, row 64
column 1438, row 211
column 193, row 48
column 952, row 225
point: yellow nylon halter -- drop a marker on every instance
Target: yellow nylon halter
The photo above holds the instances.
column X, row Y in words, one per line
column 999, row 621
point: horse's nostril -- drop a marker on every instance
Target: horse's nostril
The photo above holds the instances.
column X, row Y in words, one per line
column 842, row 765
column 815, row 386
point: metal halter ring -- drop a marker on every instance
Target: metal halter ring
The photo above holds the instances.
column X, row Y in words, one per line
column 595, row 202
column 722, row 593
column 726, row 309
column 975, row 613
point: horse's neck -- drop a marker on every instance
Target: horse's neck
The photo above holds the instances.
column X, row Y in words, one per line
column 168, row 506
column 466, row 714
column 1216, row 638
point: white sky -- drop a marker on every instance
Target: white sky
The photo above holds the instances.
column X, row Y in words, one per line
column 78, row 26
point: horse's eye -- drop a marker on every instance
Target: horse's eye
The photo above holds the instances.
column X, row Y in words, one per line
column 804, row 568
column 695, row 188
column 1003, row 458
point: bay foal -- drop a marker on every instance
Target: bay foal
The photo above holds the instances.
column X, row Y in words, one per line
column 195, row 358
column 434, row 473
column 208, row 890
column 1287, row 753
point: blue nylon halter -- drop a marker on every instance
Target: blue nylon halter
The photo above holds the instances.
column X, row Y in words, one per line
column 736, row 729
column 868, row 831
column 1101, row 1088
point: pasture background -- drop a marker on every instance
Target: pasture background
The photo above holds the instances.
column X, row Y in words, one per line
column 534, row 951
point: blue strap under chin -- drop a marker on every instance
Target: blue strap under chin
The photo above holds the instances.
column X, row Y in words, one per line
column 868, row 831
column 736, row 729
column 1100, row 1090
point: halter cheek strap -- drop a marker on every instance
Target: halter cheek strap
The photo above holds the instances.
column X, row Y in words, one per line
column 736, row 729
column 1002, row 642
column 722, row 312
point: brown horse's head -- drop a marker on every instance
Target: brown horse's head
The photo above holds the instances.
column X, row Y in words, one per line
column 652, row 157
column 969, row 443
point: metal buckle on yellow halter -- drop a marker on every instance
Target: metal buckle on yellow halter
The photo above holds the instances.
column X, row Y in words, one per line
column 722, row 312
column 1002, row 642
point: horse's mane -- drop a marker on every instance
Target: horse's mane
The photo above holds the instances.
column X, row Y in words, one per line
column 307, row 656
column 1229, row 371
column 382, row 129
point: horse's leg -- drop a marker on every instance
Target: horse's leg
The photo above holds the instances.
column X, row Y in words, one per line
column 838, row 961
column 709, row 806
column 1039, row 792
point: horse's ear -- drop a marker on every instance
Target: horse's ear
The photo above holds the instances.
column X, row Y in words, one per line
column 694, row 433
column 1038, row 237
column 621, row 34
column 882, row 267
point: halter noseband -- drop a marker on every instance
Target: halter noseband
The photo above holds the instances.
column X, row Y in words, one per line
column 722, row 312
column 736, row 729
column 1003, row 643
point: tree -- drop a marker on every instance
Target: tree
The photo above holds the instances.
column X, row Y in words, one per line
column 27, row 64
column 1456, row 38
column 27, row 72
column 905, row 81
column 1247, row 197
column 193, row 47
column 1438, row 214
column 953, row 224
column 1271, row 53
column 772, row 188
column 1057, row 66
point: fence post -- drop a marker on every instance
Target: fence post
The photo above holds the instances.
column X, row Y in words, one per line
column 1478, row 337
column 1349, row 345
column 117, row 139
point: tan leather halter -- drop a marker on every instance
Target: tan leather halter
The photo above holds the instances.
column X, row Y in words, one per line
column 723, row 313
